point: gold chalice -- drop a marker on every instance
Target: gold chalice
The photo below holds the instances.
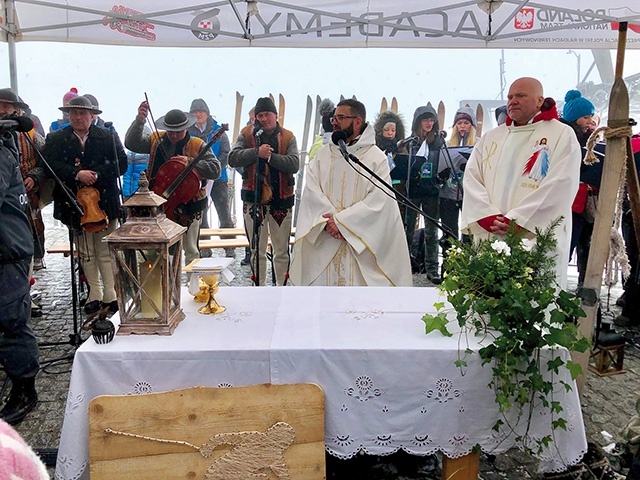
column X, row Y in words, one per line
column 212, row 307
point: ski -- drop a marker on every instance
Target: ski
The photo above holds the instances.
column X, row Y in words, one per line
column 316, row 119
column 238, row 118
column 303, row 157
column 383, row 105
column 231, row 185
column 479, row 120
column 394, row 105
column 281, row 109
column 441, row 116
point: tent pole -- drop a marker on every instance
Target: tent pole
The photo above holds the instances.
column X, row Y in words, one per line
column 11, row 41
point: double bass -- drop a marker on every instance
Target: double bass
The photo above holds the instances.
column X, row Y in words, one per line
column 178, row 183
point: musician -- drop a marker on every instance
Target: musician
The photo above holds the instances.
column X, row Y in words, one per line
column 82, row 155
column 278, row 160
column 32, row 173
column 175, row 143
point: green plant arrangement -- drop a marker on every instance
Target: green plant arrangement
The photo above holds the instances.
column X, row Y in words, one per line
column 505, row 290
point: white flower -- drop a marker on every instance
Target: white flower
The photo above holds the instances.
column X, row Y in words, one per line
column 501, row 247
column 527, row 245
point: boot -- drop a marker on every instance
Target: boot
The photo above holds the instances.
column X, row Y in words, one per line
column 22, row 400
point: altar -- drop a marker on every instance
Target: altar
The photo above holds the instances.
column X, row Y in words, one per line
column 387, row 385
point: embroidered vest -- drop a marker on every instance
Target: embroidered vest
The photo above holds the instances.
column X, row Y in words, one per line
column 277, row 187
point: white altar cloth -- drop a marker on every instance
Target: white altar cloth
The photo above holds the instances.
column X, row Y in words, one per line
column 387, row 384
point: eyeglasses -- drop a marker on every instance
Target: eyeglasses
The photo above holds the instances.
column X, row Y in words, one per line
column 340, row 118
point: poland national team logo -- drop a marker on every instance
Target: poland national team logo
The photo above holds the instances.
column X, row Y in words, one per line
column 206, row 26
column 524, row 19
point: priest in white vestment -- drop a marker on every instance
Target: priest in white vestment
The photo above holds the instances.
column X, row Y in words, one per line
column 349, row 230
column 526, row 170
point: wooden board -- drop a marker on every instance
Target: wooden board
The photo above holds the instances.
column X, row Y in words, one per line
column 463, row 468
column 195, row 415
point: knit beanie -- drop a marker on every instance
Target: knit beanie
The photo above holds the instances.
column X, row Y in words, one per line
column 576, row 106
column 17, row 460
column 199, row 105
column 72, row 93
column 265, row 104
column 465, row 113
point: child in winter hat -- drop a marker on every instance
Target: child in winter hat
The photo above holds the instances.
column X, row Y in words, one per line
column 17, row 460
column 576, row 106
column 72, row 93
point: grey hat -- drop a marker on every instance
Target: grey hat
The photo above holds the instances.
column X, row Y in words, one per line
column 83, row 103
column 466, row 113
column 175, row 121
column 8, row 96
column 94, row 100
column 199, row 105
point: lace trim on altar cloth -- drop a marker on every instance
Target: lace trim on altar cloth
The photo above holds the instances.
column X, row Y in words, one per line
column 556, row 464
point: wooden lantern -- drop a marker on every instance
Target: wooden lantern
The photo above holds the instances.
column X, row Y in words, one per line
column 146, row 257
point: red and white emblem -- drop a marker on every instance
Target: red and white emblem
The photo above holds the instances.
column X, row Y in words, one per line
column 524, row 19
column 205, row 24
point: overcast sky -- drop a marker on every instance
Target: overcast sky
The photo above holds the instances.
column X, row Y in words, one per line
column 172, row 77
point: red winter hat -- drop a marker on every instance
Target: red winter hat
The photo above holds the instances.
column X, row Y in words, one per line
column 72, row 93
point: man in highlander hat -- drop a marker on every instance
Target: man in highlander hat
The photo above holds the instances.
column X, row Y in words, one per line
column 175, row 143
column 82, row 155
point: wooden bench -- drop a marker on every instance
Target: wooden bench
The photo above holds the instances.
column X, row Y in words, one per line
column 61, row 247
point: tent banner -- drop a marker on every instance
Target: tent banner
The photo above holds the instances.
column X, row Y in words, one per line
column 344, row 23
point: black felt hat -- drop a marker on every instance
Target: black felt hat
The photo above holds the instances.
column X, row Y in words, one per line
column 7, row 96
column 81, row 102
column 175, row 121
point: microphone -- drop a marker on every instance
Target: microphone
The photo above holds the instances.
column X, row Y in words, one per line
column 15, row 122
column 442, row 133
column 407, row 140
column 257, row 129
column 338, row 138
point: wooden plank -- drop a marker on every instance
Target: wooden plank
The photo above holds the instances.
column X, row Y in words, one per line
column 615, row 155
column 208, row 232
column 61, row 247
column 463, row 468
column 222, row 232
column 195, row 416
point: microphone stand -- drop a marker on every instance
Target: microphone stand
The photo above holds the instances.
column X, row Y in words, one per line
column 255, row 215
column 75, row 339
column 349, row 157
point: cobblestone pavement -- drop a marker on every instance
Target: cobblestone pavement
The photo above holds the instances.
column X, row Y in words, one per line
column 608, row 402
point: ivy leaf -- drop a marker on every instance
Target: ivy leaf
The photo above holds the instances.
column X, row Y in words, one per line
column 574, row 369
column 560, row 423
column 436, row 322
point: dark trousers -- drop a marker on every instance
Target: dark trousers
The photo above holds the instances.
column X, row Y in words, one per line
column 18, row 344
column 430, row 206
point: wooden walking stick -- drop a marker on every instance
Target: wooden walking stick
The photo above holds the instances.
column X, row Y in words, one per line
column 615, row 158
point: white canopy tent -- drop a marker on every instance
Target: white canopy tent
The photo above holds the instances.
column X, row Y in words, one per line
column 311, row 23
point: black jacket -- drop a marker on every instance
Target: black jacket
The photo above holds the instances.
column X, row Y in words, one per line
column 61, row 150
column 16, row 241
